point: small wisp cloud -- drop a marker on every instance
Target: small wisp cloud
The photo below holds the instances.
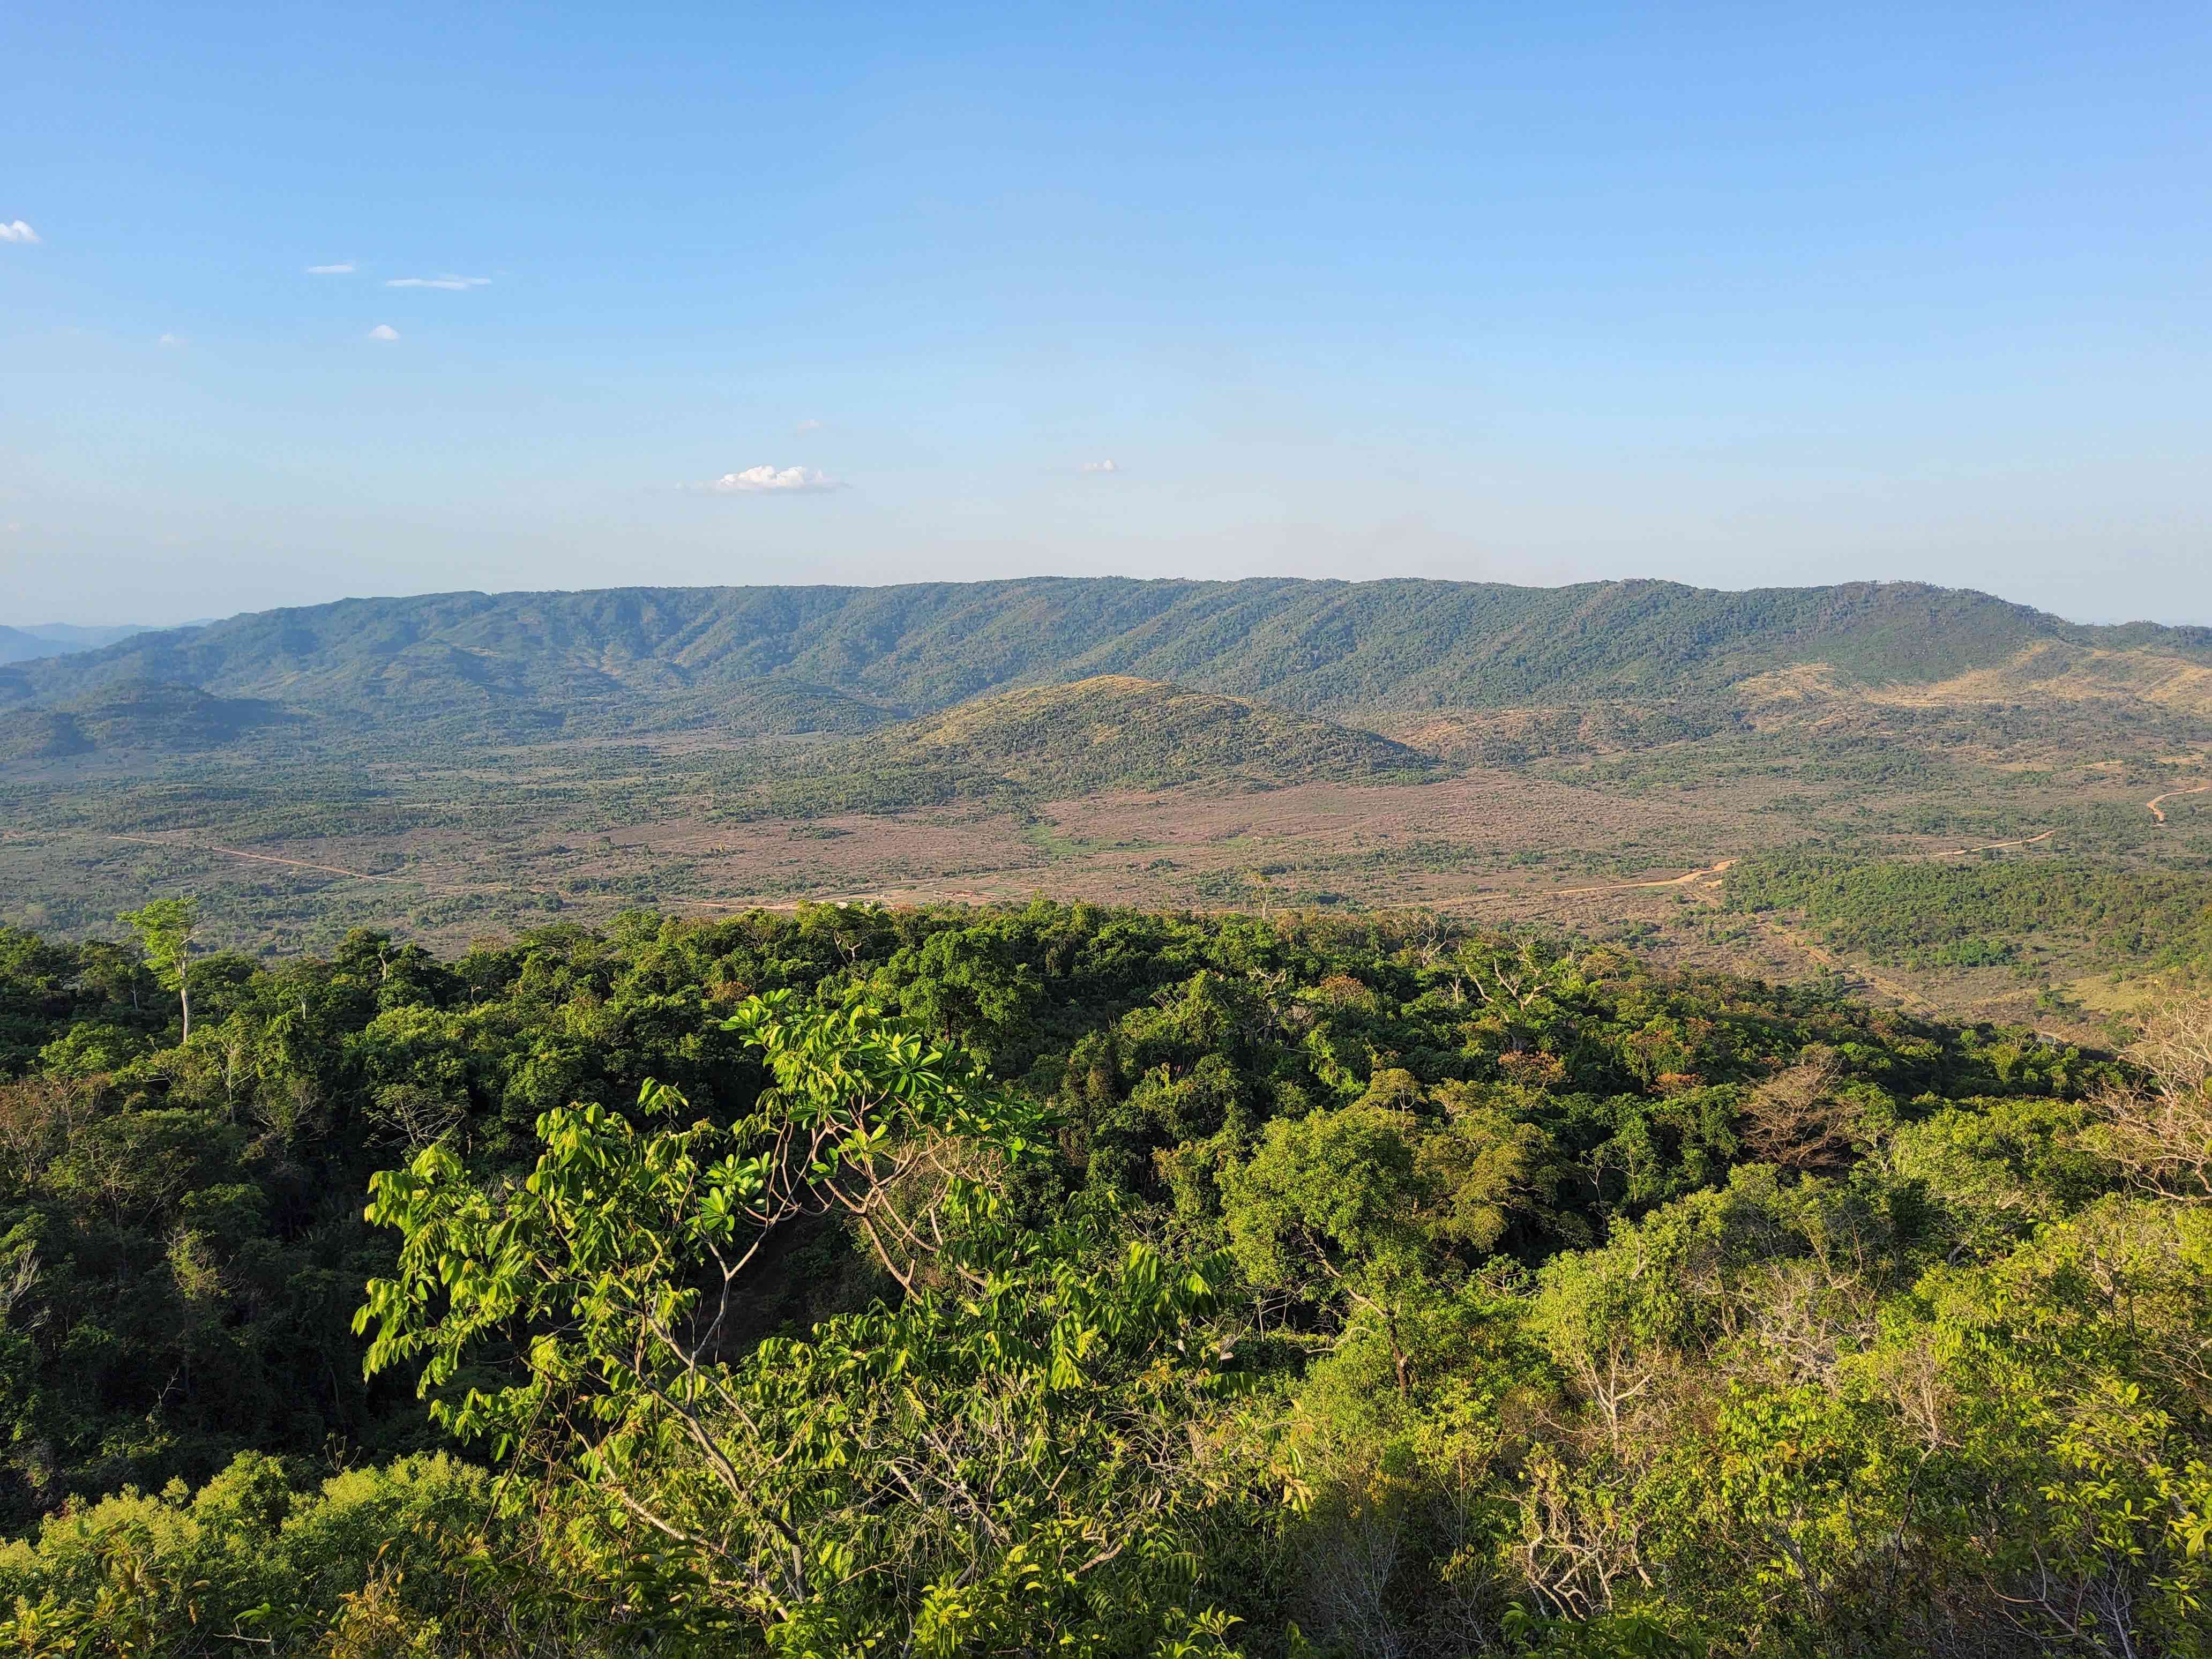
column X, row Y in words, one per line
column 384, row 331
column 14, row 230
column 343, row 268
column 1098, row 467
column 451, row 284
column 772, row 480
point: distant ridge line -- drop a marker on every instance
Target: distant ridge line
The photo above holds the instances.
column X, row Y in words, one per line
column 1315, row 646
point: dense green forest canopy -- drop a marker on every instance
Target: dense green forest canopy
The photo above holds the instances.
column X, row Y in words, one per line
column 1081, row 1280
column 635, row 656
column 1934, row 914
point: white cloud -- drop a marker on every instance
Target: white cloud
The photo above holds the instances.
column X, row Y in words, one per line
column 343, row 268
column 755, row 480
column 1098, row 467
column 16, row 231
column 454, row 284
column 808, row 426
column 384, row 331
column 171, row 340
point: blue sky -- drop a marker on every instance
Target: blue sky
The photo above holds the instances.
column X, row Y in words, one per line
column 874, row 293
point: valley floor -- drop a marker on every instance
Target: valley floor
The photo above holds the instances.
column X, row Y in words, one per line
column 1635, row 851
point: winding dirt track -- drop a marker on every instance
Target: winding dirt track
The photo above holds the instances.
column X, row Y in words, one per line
column 1690, row 877
column 1991, row 847
column 1904, row 995
column 268, row 858
column 176, row 845
column 2155, row 810
column 1683, row 880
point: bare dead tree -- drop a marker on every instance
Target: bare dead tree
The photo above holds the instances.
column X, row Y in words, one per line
column 2159, row 1130
column 1798, row 1121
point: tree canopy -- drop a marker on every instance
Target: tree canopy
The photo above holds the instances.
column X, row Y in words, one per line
column 1083, row 1281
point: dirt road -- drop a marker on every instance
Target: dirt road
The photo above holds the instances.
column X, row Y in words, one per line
column 2153, row 807
column 259, row 858
column 1683, row 880
column 181, row 846
column 1692, row 875
column 1992, row 847
column 1903, row 994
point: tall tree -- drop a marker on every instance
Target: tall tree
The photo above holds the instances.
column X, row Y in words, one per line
column 165, row 929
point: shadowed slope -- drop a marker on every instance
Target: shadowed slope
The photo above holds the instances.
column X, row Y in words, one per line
column 140, row 715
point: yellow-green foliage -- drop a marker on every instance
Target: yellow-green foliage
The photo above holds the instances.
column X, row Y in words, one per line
column 1090, row 1282
column 256, row 1559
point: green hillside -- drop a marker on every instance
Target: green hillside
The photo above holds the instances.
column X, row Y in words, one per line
column 769, row 707
column 1021, row 749
column 139, row 715
column 549, row 660
column 1115, row 731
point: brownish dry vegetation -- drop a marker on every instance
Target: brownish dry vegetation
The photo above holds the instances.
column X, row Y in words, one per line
column 1632, row 846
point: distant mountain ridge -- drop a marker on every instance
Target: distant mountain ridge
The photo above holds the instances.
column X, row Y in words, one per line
column 60, row 638
column 1314, row 647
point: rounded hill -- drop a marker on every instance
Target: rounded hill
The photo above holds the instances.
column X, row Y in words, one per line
column 137, row 715
column 1116, row 731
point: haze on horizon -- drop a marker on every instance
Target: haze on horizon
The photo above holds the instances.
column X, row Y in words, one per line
column 299, row 303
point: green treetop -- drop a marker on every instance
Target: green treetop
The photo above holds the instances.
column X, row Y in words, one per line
column 165, row 929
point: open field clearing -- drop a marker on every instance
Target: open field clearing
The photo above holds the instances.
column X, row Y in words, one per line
column 1637, row 847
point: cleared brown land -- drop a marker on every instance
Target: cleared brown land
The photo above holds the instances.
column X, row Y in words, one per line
column 1606, row 856
column 1607, row 820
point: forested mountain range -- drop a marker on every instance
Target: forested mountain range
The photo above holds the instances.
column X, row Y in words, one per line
column 638, row 657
